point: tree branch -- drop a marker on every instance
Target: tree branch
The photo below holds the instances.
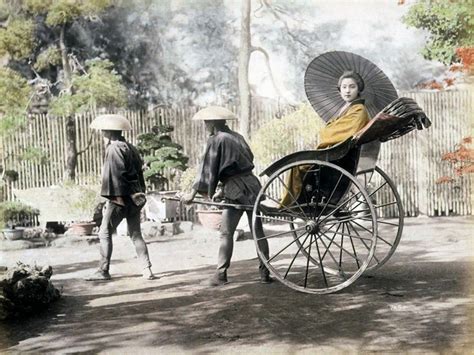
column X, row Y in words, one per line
column 267, row 63
column 87, row 146
column 279, row 18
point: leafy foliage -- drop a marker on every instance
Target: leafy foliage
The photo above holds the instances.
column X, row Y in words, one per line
column 18, row 38
column 62, row 12
column 34, row 154
column 161, row 154
column 50, row 56
column 100, row 87
column 450, row 23
column 36, row 6
column 187, row 179
column 275, row 138
column 14, row 97
column 31, row 26
column 14, row 90
column 14, row 213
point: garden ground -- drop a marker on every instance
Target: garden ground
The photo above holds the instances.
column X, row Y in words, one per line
column 420, row 301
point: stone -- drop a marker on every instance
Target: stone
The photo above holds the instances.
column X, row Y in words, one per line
column 185, row 226
column 170, row 228
column 152, row 230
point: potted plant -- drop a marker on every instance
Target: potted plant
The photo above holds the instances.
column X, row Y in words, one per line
column 14, row 216
column 80, row 202
column 163, row 159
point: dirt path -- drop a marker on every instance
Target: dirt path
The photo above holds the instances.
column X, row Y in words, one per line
column 419, row 302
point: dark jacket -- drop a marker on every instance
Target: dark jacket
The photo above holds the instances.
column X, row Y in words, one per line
column 122, row 174
column 227, row 155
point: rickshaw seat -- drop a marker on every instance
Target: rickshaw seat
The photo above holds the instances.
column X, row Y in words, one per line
column 333, row 153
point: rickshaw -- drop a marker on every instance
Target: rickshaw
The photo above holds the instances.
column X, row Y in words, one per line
column 348, row 217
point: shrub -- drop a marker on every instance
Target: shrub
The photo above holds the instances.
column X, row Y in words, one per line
column 14, row 213
column 161, row 155
column 298, row 130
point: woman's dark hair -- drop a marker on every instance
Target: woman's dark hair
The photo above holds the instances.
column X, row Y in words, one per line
column 353, row 75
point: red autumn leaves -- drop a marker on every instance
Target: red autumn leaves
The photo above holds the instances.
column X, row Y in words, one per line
column 462, row 158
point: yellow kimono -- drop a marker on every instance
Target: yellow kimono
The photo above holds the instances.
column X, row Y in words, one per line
column 347, row 124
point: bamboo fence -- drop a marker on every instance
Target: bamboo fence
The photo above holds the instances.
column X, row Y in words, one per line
column 413, row 161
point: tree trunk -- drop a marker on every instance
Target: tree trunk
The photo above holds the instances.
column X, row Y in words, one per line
column 71, row 144
column 244, row 57
column 71, row 148
column 65, row 61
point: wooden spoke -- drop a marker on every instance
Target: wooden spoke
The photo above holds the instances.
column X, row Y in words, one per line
column 349, row 235
column 342, row 220
column 321, row 264
column 370, row 195
column 378, row 236
column 383, row 240
column 341, row 272
column 377, row 189
column 284, row 208
column 342, row 249
column 283, row 233
column 383, row 222
column 367, row 247
column 289, row 192
column 282, row 250
column 334, row 236
column 294, row 258
column 307, row 260
column 339, row 207
column 353, row 247
column 330, row 197
column 361, row 226
column 386, row 204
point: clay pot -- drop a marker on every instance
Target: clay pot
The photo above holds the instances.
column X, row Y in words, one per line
column 82, row 228
column 210, row 218
column 13, row 234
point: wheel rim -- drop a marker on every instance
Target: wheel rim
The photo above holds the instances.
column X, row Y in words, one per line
column 390, row 214
column 309, row 251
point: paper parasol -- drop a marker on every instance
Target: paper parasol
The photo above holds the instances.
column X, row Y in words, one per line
column 323, row 73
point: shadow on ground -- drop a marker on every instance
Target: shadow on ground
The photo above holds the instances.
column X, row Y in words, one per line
column 406, row 306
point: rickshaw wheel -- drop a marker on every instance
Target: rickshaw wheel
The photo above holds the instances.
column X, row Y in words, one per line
column 312, row 248
column 390, row 215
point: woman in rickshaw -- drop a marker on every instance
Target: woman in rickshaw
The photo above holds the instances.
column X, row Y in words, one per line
column 352, row 117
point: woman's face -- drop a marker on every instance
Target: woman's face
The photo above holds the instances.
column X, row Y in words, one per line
column 349, row 89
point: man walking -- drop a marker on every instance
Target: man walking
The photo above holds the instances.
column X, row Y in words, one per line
column 123, row 186
column 227, row 160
